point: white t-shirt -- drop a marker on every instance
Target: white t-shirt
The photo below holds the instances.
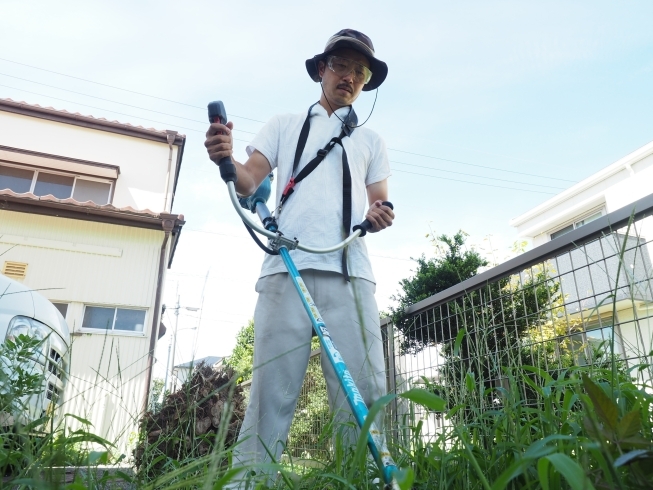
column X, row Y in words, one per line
column 313, row 213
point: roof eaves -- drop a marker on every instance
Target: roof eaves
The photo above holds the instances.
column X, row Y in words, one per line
column 87, row 211
column 208, row 360
column 87, row 121
column 585, row 184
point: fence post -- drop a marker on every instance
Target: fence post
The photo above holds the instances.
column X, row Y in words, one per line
column 389, row 331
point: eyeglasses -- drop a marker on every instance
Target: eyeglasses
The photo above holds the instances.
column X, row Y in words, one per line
column 343, row 67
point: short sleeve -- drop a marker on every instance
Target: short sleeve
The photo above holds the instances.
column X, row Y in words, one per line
column 266, row 141
column 379, row 168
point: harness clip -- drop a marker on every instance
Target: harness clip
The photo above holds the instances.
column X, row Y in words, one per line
column 289, row 186
column 322, row 153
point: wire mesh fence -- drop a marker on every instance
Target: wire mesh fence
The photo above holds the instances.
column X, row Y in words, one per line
column 307, row 438
column 583, row 302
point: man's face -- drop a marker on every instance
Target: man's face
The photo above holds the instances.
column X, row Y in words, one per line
column 342, row 90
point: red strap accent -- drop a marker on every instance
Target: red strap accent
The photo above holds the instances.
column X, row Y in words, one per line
column 289, row 186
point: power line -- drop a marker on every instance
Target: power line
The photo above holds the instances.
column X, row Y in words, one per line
column 233, row 115
column 110, row 100
column 116, row 112
column 98, row 108
column 480, row 166
column 477, row 183
column 237, row 236
column 454, row 180
column 245, row 141
column 473, row 175
column 117, row 88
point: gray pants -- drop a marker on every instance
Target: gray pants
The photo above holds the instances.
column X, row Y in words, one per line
column 282, row 337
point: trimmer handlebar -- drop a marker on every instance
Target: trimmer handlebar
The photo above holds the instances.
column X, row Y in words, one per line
column 218, row 114
column 366, row 226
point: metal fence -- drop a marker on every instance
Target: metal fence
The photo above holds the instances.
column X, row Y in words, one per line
column 307, row 438
column 583, row 299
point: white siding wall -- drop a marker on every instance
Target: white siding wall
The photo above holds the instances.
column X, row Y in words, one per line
column 614, row 192
column 636, row 328
column 107, row 370
column 143, row 163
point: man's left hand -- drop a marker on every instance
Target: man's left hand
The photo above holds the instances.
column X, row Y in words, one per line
column 380, row 216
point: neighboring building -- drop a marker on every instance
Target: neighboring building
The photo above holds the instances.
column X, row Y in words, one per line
column 85, row 219
column 182, row 372
column 625, row 181
column 598, row 266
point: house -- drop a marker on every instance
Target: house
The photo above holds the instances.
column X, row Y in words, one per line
column 182, row 372
column 621, row 183
column 600, row 270
column 86, row 219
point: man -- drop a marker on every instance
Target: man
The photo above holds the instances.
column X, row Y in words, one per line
column 315, row 212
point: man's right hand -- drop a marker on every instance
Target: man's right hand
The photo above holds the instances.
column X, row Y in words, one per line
column 219, row 141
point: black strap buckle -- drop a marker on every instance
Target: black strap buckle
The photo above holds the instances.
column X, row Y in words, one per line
column 322, row 153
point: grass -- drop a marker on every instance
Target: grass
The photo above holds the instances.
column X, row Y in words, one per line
column 516, row 410
column 587, row 430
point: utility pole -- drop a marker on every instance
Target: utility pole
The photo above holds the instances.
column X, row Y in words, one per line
column 173, row 340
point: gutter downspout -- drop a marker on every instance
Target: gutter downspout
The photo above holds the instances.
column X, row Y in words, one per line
column 171, row 139
column 168, row 225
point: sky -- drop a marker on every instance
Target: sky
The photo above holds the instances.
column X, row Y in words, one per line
column 489, row 109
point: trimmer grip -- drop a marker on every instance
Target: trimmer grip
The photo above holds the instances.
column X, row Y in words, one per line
column 218, row 114
column 366, row 226
column 228, row 170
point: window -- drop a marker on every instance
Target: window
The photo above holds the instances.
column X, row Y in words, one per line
column 107, row 318
column 61, row 186
column 576, row 224
column 564, row 231
column 62, row 307
column 593, row 344
column 16, row 179
column 90, row 190
column 599, row 339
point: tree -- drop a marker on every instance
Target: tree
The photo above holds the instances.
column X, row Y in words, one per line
column 242, row 357
column 432, row 276
column 156, row 395
column 482, row 331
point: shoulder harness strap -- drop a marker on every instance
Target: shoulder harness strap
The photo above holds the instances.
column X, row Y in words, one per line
column 349, row 124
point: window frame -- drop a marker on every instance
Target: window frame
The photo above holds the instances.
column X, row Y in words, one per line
column 75, row 176
column 586, row 348
column 113, row 331
column 574, row 222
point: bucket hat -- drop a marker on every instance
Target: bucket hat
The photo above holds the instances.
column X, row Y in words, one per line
column 350, row 38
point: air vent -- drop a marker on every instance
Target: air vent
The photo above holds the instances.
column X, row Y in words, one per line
column 15, row 270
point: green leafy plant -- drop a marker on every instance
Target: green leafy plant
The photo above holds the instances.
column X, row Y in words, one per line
column 17, row 378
